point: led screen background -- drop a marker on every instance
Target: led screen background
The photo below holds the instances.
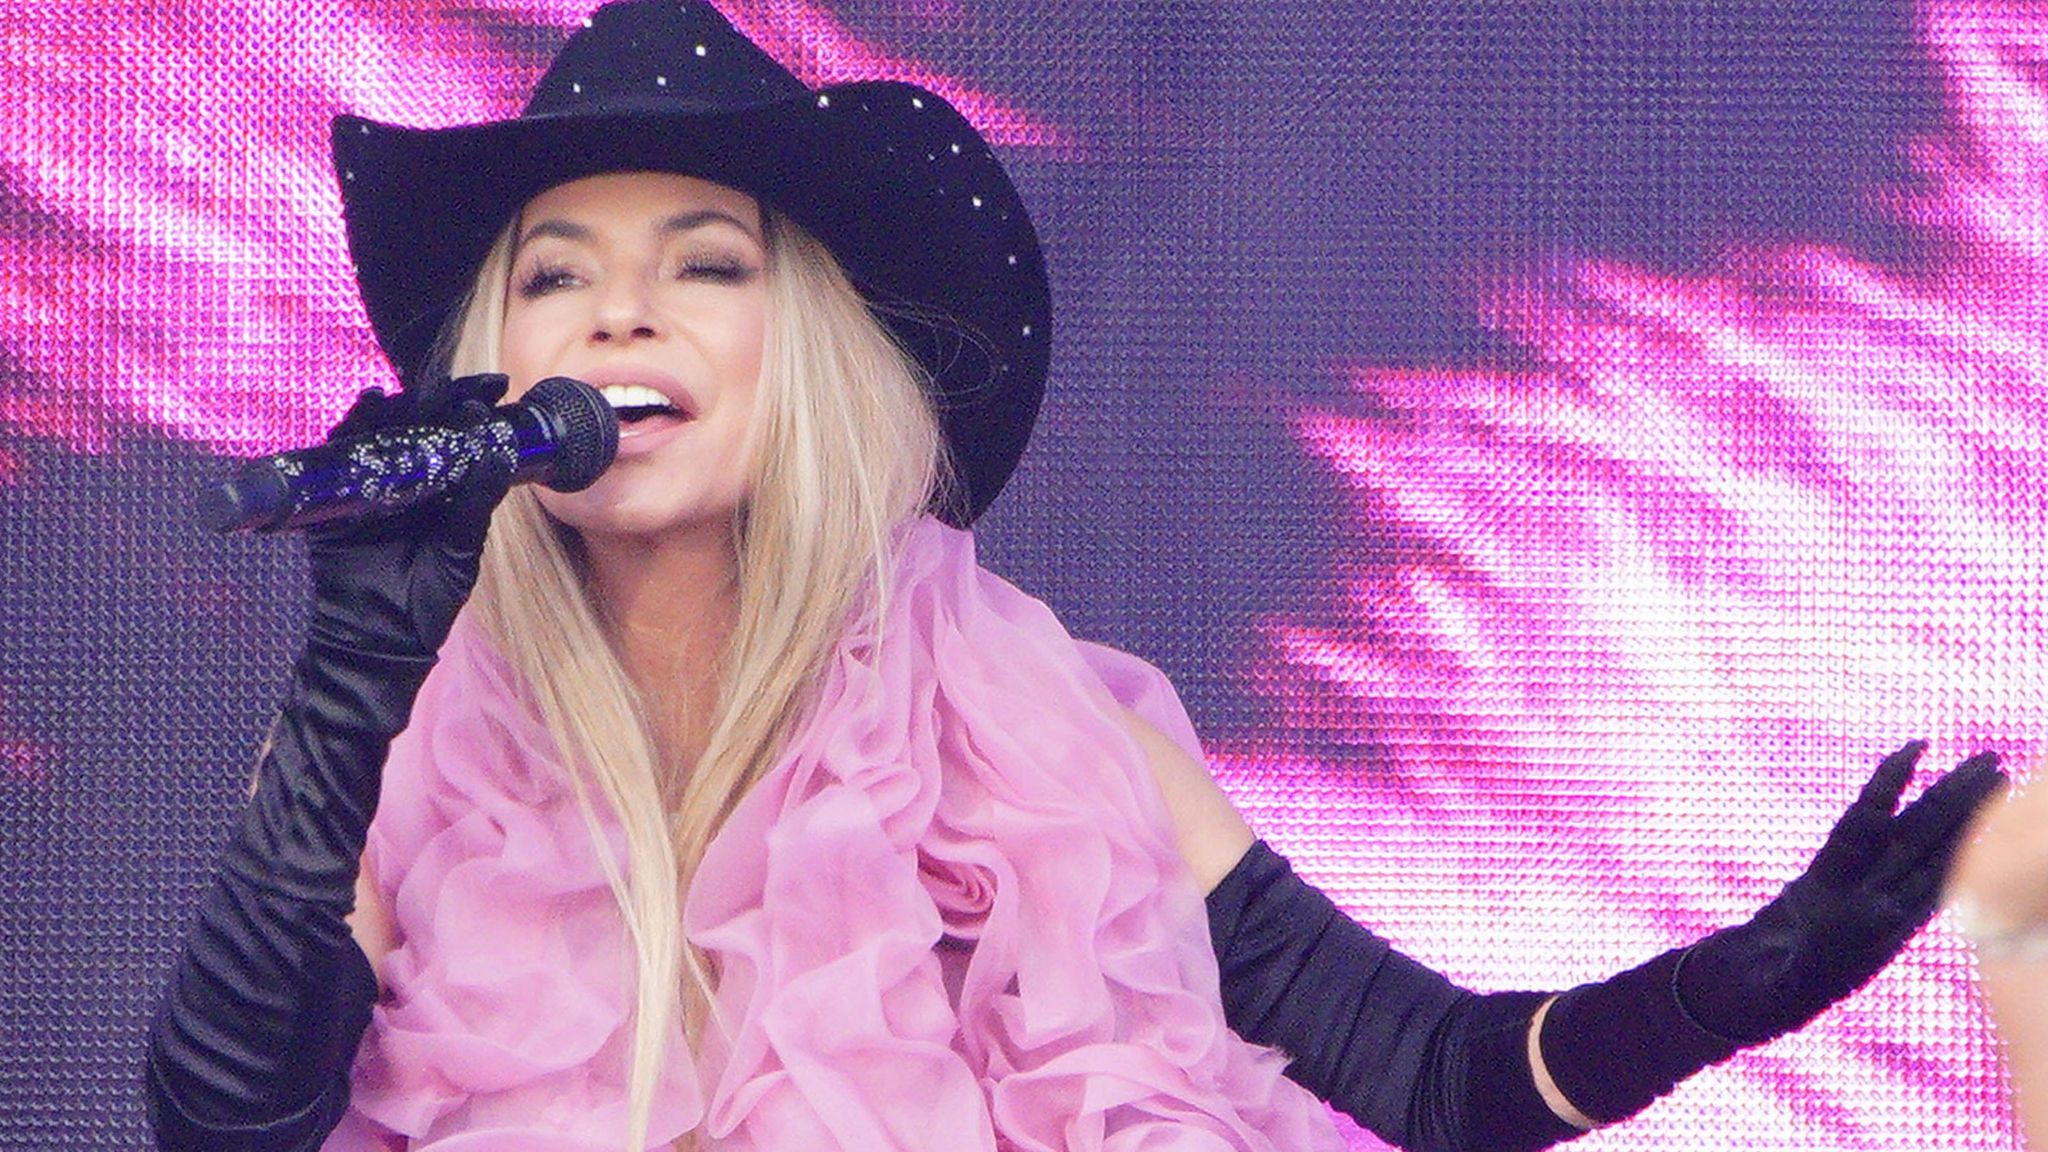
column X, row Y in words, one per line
column 1556, row 449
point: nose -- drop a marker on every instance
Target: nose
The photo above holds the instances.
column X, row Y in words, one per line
column 625, row 311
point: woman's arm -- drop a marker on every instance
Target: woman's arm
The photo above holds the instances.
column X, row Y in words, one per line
column 370, row 923
column 250, row 1048
column 1427, row 1065
column 1417, row 1060
column 252, row 1041
column 1212, row 834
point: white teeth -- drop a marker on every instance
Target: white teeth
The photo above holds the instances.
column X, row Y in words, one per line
column 633, row 396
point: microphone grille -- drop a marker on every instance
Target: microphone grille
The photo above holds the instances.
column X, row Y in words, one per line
column 588, row 431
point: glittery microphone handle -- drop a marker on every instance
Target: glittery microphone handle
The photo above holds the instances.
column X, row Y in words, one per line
column 561, row 434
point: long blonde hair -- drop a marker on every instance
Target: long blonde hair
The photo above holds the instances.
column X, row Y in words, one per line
column 846, row 451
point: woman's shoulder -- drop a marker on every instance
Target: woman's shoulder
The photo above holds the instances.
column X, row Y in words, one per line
column 1144, row 692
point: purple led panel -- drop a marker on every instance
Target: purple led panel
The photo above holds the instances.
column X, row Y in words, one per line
column 1553, row 462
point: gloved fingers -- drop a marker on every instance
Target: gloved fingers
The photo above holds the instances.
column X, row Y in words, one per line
column 373, row 409
column 468, row 507
column 464, row 402
column 465, row 415
column 1858, row 840
column 334, row 546
column 1888, row 783
column 1932, row 826
column 485, row 388
column 1926, row 835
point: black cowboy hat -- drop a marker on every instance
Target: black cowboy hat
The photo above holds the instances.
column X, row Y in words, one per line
column 888, row 176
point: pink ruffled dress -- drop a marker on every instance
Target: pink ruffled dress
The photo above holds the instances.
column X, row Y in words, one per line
column 952, row 917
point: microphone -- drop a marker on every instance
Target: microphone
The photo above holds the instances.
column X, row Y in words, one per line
column 561, row 433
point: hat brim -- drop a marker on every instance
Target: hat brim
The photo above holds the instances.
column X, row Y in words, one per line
column 888, row 176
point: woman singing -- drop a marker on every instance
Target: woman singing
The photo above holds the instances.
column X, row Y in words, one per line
column 738, row 806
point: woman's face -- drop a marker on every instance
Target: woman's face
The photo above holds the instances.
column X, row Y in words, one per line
column 653, row 288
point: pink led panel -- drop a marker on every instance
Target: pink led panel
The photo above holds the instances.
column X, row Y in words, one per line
column 1628, row 625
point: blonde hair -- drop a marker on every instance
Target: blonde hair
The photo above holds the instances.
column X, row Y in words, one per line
column 846, row 450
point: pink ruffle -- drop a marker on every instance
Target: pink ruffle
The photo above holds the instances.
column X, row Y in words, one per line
column 951, row 918
column 505, row 1018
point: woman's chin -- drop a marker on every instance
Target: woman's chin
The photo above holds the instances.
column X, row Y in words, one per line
column 615, row 512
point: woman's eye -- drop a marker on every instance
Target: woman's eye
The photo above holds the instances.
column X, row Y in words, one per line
column 717, row 270
column 544, row 280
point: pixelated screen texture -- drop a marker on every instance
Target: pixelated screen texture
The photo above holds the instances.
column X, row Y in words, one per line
column 1555, row 456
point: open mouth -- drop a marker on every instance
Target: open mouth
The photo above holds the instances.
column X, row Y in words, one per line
column 636, row 402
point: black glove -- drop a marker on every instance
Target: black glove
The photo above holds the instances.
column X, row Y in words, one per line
column 251, row 1045
column 1429, row 1066
column 1615, row 1046
column 1421, row 1063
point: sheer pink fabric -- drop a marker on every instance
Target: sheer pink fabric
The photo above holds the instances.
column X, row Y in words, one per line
column 951, row 918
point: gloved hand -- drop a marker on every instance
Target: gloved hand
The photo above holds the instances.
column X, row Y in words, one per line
column 251, row 1044
column 1615, row 1046
column 1875, row 881
column 390, row 587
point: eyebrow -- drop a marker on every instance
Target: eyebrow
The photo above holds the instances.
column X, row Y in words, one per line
column 675, row 225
